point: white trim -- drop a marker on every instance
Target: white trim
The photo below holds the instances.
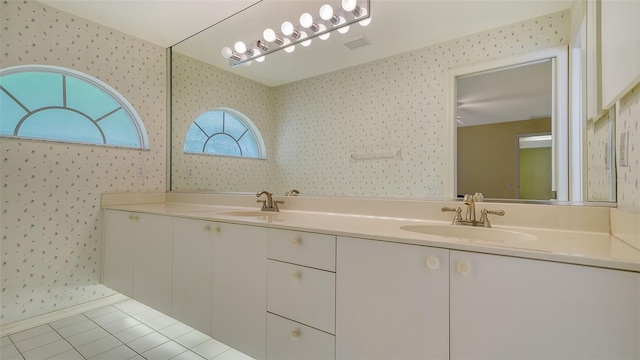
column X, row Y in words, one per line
column 25, row 324
column 104, row 87
column 559, row 114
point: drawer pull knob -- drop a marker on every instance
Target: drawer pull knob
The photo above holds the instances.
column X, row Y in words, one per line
column 463, row 267
column 296, row 241
column 295, row 334
column 216, row 229
column 206, row 228
column 433, row 262
column 133, row 217
column 296, row 276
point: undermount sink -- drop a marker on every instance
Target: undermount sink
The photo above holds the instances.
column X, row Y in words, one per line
column 470, row 232
column 248, row 213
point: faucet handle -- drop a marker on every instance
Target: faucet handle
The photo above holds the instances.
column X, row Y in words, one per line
column 458, row 211
column 485, row 216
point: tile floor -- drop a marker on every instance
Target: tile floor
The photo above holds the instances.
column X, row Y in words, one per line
column 125, row 330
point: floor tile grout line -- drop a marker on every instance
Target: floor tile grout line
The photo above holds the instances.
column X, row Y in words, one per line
column 63, row 338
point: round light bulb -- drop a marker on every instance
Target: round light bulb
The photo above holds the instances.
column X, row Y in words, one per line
column 257, row 52
column 227, row 52
column 269, row 35
column 287, row 47
column 287, row 28
column 349, row 5
column 366, row 21
column 303, row 35
column 240, row 47
column 323, row 28
column 326, row 12
column 306, row 20
column 344, row 29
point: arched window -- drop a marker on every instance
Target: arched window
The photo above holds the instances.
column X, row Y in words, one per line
column 59, row 104
column 224, row 132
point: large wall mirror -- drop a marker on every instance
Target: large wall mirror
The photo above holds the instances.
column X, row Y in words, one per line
column 368, row 113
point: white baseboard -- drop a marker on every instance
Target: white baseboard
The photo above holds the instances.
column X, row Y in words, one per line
column 25, row 324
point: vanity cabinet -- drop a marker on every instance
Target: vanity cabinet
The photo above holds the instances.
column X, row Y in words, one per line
column 407, row 302
column 508, row 308
column 138, row 257
column 240, row 288
column 192, row 294
column 301, row 285
column 392, row 301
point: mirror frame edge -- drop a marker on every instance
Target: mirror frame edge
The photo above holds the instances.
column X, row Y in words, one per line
column 560, row 55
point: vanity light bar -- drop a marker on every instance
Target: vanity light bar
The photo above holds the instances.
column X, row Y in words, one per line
column 350, row 12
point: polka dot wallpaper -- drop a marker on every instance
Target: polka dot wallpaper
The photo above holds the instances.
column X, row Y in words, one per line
column 197, row 88
column 394, row 102
column 51, row 223
column 628, row 121
column 599, row 166
column 316, row 124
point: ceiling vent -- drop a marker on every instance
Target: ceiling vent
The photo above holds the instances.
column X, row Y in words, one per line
column 357, row 43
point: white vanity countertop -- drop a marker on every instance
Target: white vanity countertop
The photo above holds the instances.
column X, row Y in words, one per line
column 575, row 247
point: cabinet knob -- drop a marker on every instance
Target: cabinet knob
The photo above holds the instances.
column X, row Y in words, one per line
column 207, row 228
column 296, row 241
column 216, row 229
column 433, row 262
column 296, row 276
column 295, row 334
column 463, row 267
column 133, row 217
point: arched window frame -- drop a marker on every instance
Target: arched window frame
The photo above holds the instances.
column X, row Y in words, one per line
column 251, row 127
column 102, row 86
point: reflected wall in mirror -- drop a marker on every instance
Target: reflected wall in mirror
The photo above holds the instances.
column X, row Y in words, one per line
column 312, row 126
column 504, row 132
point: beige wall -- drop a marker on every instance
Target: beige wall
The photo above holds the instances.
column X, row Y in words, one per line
column 487, row 156
column 51, row 244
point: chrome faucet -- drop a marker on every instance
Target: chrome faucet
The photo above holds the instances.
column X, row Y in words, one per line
column 269, row 204
column 470, row 215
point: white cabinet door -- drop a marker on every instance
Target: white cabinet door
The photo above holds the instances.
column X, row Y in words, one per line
column 152, row 261
column 392, row 301
column 192, row 273
column 240, row 288
column 119, row 235
column 510, row 308
column 289, row 340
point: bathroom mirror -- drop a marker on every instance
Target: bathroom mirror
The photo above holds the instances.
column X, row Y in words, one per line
column 506, row 121
column 369, row 121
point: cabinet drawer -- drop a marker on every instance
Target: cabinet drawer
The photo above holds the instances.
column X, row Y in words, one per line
column 302, row 294
column 287, row 339
column 309, row 249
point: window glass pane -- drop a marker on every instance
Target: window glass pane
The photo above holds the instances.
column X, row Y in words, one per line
column 210, row 122
column 59, row 124
column 10, row 114
column 88, row 99
column 119, row 130
column 35, row 89
column 222, row 145
column 195, row 140
column 249, row 146
column 233, row 126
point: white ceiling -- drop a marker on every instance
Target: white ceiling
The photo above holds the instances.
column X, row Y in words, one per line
column 512, row 94
column 397, row 26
